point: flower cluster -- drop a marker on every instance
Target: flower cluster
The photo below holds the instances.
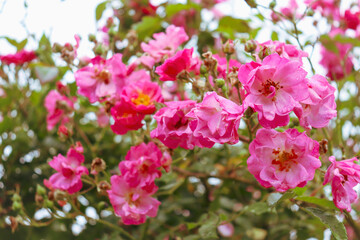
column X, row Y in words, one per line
column 130, row 193
column 69, row 170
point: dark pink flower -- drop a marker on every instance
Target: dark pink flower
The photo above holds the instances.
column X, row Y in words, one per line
column 344, row 176
column 141, row 166
column 283, row 159
column 352, row 20
column 132, row 204
column 164, row 45
column 69, row 171
column 59, row 108
column 327, row 8
column 19, row 58
column 142, row 96
column 126, row 118
column 173, row 126
column 178, row 66
column 217, row 119
column 102, row 79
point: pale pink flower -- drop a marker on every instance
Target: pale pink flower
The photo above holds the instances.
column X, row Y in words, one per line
column 283, row 160
column 132, row 204
column 164, row 45
column 327, row 8
column 19, row 58
column 59, row 108
column 126, row 118
column 344, row 176
column 68, row 177
column 276, row 87
column 179, row 66
column 320, row 107
column 141, row 166
column 217, row 119
column 284, row 50
column 226, row 230
column 338, row 65
column 102, row 79
column 102, row 117
column 173, row 126
column 142, row 96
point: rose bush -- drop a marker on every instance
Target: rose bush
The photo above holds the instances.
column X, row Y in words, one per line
column 182, row 124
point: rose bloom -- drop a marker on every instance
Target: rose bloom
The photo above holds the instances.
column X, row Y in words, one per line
column 69, row 171
column 132, row 204
column 217, row 119
column 126, row 118
column 164, row 45
column 317, row 110
column 142, row 96
column 275, row 88
column 283, row 160
column 179, row 66
column 344, row 176
column 58, row 106
column 102, row 79
column 19, row 58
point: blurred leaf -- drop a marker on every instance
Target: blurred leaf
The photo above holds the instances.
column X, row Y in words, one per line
column 44, row 51
column 337, row 228
column 172, row 9
column 299, row 191
column 228, row 25
column 19, row 45
column 274, row 36
column 318, row 201
column 208, row 229
column 328, row 43
column 22, row 44
column 99, row 10
column 258, row 208
column 147, row 26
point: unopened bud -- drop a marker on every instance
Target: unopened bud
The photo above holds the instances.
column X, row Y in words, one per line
column 57, row 48
column 323, row 147
column 63, row 132
column 248, row 113
column 16, row 206
column 228, row 47
column 16, row 198
column 40, row 190
column 99, row 50
column 48, row 203
column 59, row 195
column 272, row 4
column 102, row 187
column 92, row 38
column 97, row 165
column 101, row 205
column 109, row 22
column 310, row 12
column 250, row 46
column 220, row 82
column 203, row 70
column 112, row 32
column 251, row 3
column 148, row 118
column 39, row 199
column 264, row 52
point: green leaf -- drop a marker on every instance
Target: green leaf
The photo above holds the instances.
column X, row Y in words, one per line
column 318, row 201
column 274, row 36
column 147, row 26
column 337, row 228
column 208, row 229
column 11, row 41
column 99, row 10
column 258, row 208
column 329, row 44
column 299, row 191
column 22, row 44
column 228, row 25
column 192, row 225
column 172, row 9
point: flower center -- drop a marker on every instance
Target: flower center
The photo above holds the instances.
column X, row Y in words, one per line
column 104, row 76
column 129, row 199
column 142, row 99
column 284, row 159
column 269, row 89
